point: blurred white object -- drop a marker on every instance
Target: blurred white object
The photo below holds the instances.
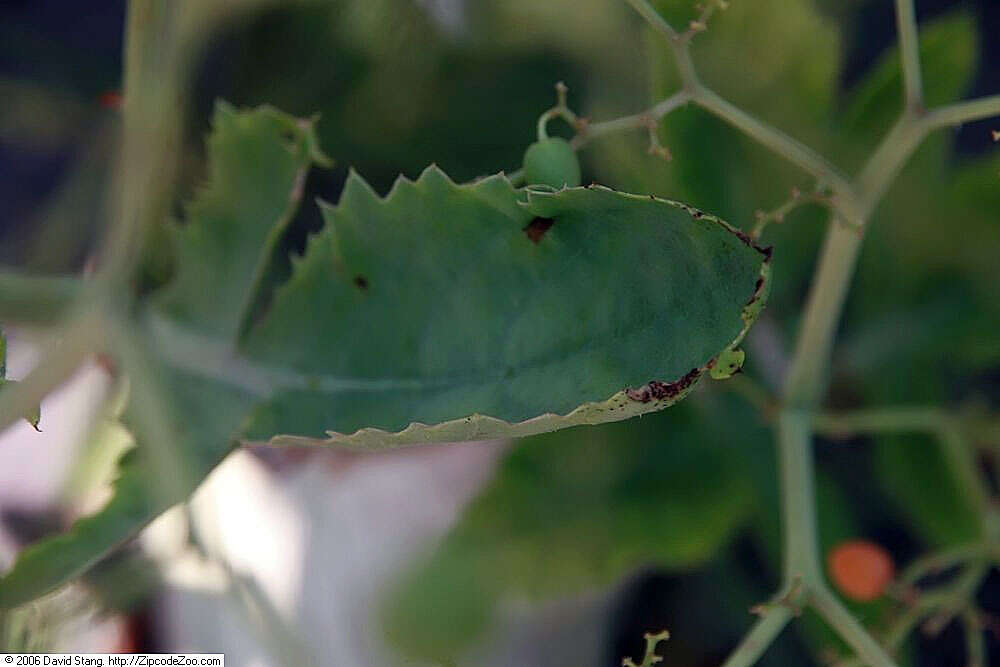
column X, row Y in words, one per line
column 320, row 543
column 34, row 466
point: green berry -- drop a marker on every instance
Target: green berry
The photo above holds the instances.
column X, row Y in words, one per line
column 551, row 162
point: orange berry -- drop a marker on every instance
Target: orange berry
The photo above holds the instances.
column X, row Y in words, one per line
column 860, row 569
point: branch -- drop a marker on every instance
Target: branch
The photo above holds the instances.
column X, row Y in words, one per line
column 798, row 501
column 839, row 618
column 938, row 606
column 777, row 215
column 909, row 54
column 963, row 112
column 904, row 138
column 975, row 647
column 881, row 420
column 947, row 428
column 791, row 149
column 36, row 299
column 943, row 560
column 677, row 42
column 653, row 18
column 763, row 633
column 640, row 120
column 810, row 361
column 560, row 110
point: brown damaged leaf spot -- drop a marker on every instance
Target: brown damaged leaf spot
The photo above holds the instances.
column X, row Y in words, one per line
column 361, row 282
column 743, row 236
column 537, row 228
column 758, row 287
column 656, row 390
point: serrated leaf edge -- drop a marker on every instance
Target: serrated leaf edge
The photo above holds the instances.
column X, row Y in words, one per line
column 625, row 404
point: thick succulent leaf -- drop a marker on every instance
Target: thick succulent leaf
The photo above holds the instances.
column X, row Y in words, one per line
column 258, row 163
column 442, row 312
column 451, row 312
column 207, row 416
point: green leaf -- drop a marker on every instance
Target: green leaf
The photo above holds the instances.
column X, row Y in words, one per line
column 449, row 312
column 258, row 163
column 914, row 472
column 574, row 510
column 208, row 416
column 442, row 312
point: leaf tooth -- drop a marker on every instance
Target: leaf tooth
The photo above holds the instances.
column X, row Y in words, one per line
column 356, row 191
column 434, row 174
column 402, row 183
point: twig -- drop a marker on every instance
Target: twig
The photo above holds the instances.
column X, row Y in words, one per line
column 975, row 646
column 560, row 110
column 909, row 52
column 636, row 121
column 763, row 633
column 37, row 299
column 820, row 195
column 943, row 560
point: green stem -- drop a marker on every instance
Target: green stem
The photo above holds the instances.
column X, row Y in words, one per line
column 791, row 149
column 905, row 137
column 139, row 191
column 947, row 428
column 36, row 299
column 963, row 112
column 944, row 560
column 909, row 49
column 887, row 159
column 806, row 380
column 802, row 562
column 679, row 45
column 151, row 132
column 653, row 18
column 903, row 626
column 975, row 646
column 958, row 597
column 635, row 121
column 961, row 460
column 839, row 618
column 762, row 635
column 880, row 420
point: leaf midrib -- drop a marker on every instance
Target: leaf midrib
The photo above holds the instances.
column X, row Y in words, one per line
column 187, row 350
